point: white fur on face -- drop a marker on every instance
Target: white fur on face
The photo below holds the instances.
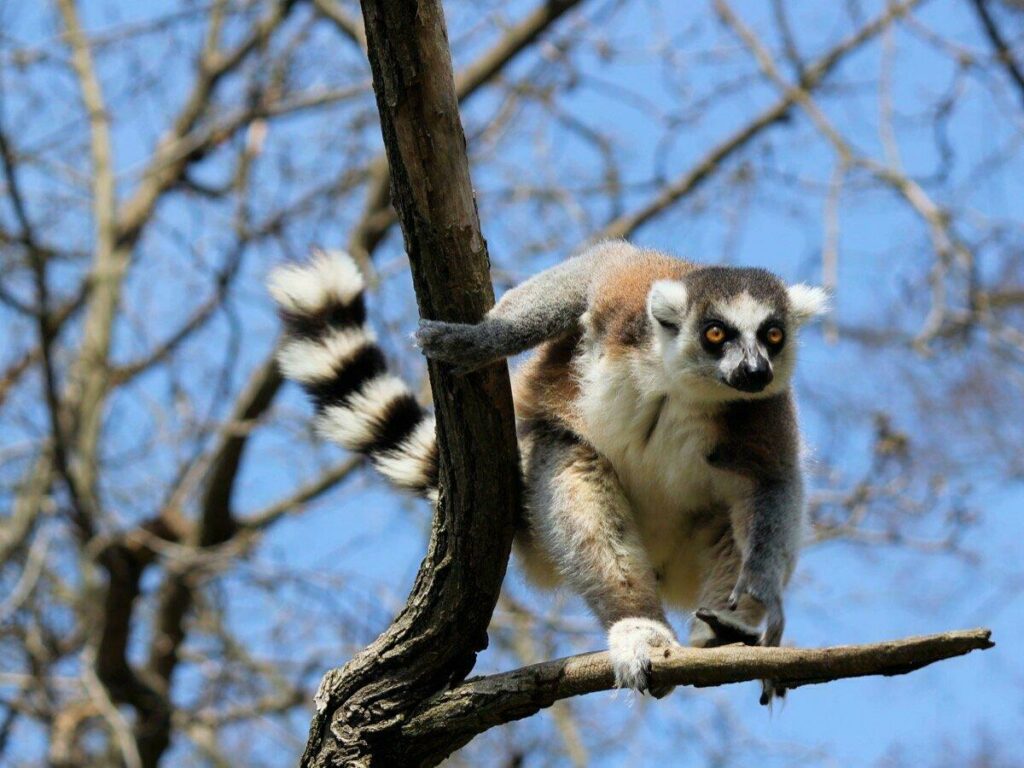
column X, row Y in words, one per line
column 667, row 302
column 744, row 313
column 735, row 355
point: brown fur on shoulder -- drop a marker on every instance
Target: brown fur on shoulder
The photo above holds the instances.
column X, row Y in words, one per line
column 618, row 308
column 546, row 387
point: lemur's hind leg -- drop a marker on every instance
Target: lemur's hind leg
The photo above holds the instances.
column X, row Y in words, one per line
column 546, row 306
column 579, row 514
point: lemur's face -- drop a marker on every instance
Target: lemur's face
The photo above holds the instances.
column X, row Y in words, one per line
column 727, row 333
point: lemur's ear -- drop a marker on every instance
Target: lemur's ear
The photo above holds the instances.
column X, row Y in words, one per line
column 806, row 302
column 666, row 302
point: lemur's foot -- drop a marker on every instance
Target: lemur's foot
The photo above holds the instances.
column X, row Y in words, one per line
column 460, row 344
column 443, row 341
column 631, row 644
column 717, row 628
column 725, row 629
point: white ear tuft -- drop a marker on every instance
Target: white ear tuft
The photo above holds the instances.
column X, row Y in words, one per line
column 806, row 301
column 667, row 300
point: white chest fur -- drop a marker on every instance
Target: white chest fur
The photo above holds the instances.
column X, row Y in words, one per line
column 658, row 445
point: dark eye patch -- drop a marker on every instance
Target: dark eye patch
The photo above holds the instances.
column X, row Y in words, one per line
column 716, row 350
column 730, row 332
column 762, row 334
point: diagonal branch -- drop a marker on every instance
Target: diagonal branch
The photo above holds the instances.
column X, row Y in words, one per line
column 949, row 247
column 516, row 38
column 812, row 77
column 349, row 26
column 57, row 318
column 484, row 702
column 327, row 480
column 378, row 216
column 168, row 161
column 217, row 522
column 1003, row 51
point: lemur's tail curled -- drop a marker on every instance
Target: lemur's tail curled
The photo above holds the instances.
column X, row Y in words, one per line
column 331, row 352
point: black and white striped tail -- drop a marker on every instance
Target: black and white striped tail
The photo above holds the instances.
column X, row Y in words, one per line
column 330, row 351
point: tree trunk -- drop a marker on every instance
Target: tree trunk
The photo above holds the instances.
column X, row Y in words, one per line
column 432, row 644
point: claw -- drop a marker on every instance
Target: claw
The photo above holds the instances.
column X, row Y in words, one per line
column 643, row 676
column 738, row 591
column 770, row 691
column 772, row 638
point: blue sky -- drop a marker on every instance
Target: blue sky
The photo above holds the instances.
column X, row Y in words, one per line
column 357, row 549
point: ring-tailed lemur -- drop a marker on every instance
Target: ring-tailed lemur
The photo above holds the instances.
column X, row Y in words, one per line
column 657, row 428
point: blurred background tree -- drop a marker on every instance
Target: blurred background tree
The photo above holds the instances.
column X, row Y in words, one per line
column 180, row 560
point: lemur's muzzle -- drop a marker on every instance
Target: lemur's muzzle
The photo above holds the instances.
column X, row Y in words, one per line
column 752, row 375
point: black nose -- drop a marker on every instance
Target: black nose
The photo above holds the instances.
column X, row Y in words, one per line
column 752, row 375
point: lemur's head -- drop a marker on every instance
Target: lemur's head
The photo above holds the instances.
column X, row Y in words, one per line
column 730, row 332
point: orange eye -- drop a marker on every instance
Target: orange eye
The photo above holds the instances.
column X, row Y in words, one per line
column 715, row 334
column 774, row 335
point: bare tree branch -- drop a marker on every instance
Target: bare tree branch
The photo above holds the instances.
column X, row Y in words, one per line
column 349, row 26
column 482, row 703
column 949, row 247
column 431, row 181
column 515, row 39
column 378, row 216
column 812, row 76
column 168, row 161
column 307, row 493
column 131, row 405
column 1003, row 51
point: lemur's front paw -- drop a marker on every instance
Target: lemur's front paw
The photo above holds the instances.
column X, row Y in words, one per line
column 768, row 594
column 631, row 643
column 770, row 691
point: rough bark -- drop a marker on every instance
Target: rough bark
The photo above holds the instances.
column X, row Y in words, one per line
column 433, row 642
